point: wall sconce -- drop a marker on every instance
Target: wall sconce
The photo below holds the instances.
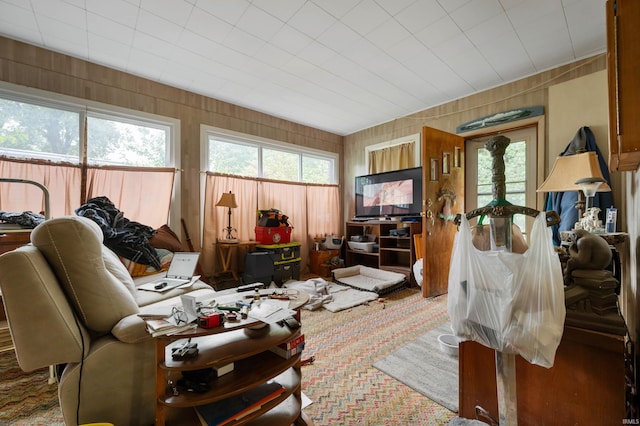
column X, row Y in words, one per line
column 228, row 199
column 580, row 172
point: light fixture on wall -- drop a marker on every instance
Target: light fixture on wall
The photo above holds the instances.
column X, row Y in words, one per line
column 228, row 199
column 580, row 172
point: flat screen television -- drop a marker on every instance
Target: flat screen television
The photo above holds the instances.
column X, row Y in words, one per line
column 396, row 193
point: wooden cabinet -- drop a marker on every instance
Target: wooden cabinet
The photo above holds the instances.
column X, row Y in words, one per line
column 585, row 386
column 254, row 364
column 319, row 261
column 623, row 63
column 394, row 253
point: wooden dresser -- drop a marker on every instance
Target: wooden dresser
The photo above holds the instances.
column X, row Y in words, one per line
column 585, row 386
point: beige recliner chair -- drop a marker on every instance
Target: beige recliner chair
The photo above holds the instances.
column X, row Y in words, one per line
column 69, row 301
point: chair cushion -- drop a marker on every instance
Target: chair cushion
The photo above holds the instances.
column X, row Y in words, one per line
column 91, row 278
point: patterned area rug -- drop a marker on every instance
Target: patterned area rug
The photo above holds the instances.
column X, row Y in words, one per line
column 343, row 384
column 27, row 398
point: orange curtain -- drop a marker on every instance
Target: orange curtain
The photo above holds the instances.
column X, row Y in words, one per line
column 323, row 211
column 395, row 157
column 62, row 181
column 141, row 194
column 312, row 210
column 290, row 199
column 216, row 219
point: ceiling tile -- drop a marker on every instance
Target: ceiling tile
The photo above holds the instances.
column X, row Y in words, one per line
column 365, row 17
column 438, row 32
column 311, row 20
column 241, row 41
column 229, row 11
column 474, row 13
column 388, row 33
column 106, row 28
column 208, row 26
column 157, row 27
column 420, row 15
column 176, row 11
column 281, row 9
column 290, row 40
column 259, row 23
column 339, row 37
column 337, row 9
column 119, row 11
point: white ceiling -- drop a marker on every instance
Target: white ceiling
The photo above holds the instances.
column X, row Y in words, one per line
column 336, row 65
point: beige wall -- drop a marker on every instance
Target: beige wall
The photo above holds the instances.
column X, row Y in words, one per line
column 577, row 103
column 30, row 66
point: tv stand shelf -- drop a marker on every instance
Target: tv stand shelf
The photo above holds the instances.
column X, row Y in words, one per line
column 396, row 254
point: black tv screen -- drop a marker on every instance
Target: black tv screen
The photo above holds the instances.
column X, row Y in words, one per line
column 396, row 193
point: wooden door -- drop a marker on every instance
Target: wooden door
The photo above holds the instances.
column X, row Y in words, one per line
column 442, row 199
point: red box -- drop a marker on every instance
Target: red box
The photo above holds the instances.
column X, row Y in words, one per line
column 273, row 234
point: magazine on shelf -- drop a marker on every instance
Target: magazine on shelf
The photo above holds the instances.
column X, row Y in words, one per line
column 236, row 407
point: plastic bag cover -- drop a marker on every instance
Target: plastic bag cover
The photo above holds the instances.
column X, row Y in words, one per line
column 511, row 302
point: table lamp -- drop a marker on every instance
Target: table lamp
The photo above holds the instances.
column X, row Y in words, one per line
column 228, row 199
column 580, row 172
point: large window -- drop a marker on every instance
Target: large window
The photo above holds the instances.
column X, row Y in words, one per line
column 264, row 174
column 80, row 151
column 243, row 155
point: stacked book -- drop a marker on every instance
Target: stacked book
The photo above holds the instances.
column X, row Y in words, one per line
column 289, row 349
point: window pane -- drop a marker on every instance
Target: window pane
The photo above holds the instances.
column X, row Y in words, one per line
column 515, row 170
column 280, row 165
column 233, row 158
column 315, row 170
column 116, row 142
column 34, row 131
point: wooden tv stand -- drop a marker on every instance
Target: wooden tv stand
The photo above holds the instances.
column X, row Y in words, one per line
column 396, row 254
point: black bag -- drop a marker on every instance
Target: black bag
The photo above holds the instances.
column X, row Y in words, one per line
column 272, row 218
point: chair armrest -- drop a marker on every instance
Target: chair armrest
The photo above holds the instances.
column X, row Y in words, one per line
column 131, row 329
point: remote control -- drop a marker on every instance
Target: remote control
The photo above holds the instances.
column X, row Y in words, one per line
column 249, row 287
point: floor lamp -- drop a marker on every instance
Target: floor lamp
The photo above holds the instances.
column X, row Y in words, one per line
column 228, row 199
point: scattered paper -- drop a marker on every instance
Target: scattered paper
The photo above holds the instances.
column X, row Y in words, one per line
column 269, row 312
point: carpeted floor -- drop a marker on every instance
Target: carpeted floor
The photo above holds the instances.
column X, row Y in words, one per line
column 26, row 398
column 342, row 383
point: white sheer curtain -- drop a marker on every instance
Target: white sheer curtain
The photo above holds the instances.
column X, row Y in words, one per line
column 141, row 194
column 215, row 219
column 312, row 210
column 62, row 181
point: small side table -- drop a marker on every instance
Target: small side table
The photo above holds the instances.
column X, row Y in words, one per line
column 226, row 252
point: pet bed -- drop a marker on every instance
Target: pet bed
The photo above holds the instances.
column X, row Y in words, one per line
column 369, row 279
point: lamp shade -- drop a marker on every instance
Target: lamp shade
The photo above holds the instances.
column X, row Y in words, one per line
column 568, row 170
column 228, row 199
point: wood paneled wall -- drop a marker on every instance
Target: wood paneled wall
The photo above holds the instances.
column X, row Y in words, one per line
column 26, row 65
